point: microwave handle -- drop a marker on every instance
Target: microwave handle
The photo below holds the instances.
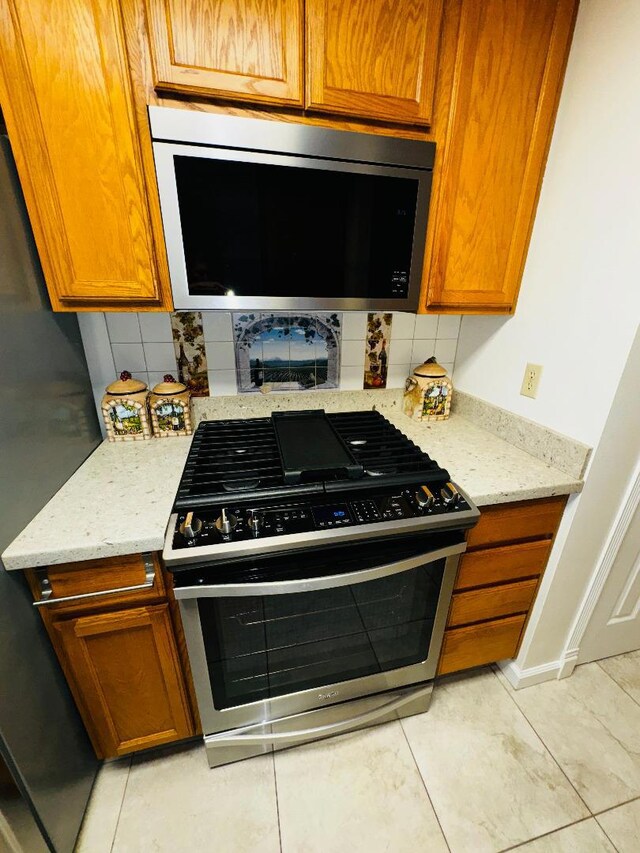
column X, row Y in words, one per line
column 324, row 582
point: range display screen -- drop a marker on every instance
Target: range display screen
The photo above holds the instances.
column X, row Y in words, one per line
column 329, row 515
column 267, row 230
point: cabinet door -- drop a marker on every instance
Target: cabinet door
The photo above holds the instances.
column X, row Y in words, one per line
column 509, row 66
column 124, row 670
column 67, row 101
column 249, row 50
column 372, row 58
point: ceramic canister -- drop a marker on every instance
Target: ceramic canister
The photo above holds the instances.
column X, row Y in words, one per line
column 169, row 404
column 427, row 394
column 124, row 409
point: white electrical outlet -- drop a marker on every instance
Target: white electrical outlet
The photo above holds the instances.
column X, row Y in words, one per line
column 531, row 381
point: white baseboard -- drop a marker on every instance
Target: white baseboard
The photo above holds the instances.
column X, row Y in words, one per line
column 519, row 678
column 568, row 663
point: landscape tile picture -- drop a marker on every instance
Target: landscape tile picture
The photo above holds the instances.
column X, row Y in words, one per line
column 125, row 418
column 287, row 352
column 191, row 355
column 376, row 348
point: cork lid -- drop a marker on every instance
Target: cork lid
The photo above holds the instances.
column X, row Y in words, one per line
column 169, row 386
column 430, row 369
column 126, row 385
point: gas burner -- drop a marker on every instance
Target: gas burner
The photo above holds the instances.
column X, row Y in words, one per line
column 298, row 452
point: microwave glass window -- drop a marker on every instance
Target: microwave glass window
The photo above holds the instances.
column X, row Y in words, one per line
column 254, row 229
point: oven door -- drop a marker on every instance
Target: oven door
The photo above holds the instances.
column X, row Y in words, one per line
column 273, row 638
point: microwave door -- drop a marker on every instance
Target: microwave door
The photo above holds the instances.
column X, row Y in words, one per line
column 252, row 230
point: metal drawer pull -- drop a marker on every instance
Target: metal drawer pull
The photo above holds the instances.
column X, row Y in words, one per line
column 244, row 736
column 47, row 597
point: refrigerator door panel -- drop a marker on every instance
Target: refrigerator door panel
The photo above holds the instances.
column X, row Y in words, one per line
column 48, row 427
column 18, row 828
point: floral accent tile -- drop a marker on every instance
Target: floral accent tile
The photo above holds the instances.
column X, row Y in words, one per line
column 287, row 352
column 191, row 354
column 376, row 348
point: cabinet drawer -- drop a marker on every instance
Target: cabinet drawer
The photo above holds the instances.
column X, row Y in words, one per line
column 512, row 522
column 135, row 578
column 491, row 602
column 498, row 565
column 479, row 644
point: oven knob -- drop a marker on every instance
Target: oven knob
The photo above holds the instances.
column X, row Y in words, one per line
column 255, row 521
column 425, row 498
column 450, row 495
column 191, row 526
column 226, row 523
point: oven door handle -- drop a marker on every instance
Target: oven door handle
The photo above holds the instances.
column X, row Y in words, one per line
column 249, row 737
column 325, row 582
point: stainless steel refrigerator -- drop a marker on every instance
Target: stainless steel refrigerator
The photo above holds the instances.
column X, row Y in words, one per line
column 48, row 426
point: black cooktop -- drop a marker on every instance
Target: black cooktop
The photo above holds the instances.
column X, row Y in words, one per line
column 298, row 453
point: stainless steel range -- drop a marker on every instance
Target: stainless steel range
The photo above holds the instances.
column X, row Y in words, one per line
column 314, row 558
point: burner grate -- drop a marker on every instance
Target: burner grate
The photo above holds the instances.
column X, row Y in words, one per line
column 240, row 458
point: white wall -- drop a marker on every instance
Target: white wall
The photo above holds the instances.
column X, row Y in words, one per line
column 580, row 299
column 580, row 302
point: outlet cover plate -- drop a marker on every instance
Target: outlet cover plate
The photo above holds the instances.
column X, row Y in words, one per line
column 531, row 380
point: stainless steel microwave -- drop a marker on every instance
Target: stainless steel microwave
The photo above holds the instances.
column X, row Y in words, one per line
column 268, row 214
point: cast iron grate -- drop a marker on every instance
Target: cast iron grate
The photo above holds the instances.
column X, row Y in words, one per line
column 235, row 460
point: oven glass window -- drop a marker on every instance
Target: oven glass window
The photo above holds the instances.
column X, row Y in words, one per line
column 255, row 229
column 262, row 647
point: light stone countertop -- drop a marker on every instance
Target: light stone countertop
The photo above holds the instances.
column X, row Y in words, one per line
column 119, row 501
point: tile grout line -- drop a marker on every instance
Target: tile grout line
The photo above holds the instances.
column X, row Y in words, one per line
column 606, row 834
column 424, row 785
column 611, row 808
column 144, row 352
column 615, row 681
column 124, row 793
column 541, row 739
column 551, row 832
column 275, row 785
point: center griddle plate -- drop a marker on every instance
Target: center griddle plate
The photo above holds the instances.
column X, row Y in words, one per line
column 310, row 449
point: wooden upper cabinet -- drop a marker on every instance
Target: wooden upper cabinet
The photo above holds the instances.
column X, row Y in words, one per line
column 68, row 105
column 508, row 72
column 372, row 58
column 249, row 50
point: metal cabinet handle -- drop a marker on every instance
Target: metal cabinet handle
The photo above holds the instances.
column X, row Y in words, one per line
column 246, row 737
column 47, row 597
column 310, row 584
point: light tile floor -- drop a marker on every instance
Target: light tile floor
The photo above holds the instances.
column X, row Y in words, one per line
column 554, row 768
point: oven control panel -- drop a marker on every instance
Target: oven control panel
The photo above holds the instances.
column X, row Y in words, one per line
column 236, row 523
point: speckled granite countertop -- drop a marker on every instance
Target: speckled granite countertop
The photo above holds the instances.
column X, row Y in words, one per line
column 118, row 502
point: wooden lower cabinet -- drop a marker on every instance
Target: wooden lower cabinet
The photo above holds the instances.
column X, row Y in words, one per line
column 121, row 649
column 475, row 645
column 125, row 670
column 498, row 578
column 476, row 605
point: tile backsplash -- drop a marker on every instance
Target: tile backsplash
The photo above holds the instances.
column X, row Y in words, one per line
column 295, row 350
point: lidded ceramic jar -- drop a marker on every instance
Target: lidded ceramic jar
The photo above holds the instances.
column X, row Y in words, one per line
column 427, row 393
column 124, row 409
column 169, row 404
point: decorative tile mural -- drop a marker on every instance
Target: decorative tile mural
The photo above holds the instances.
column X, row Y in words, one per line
column 376, row 348
column 287, row 352
column 191, row 356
